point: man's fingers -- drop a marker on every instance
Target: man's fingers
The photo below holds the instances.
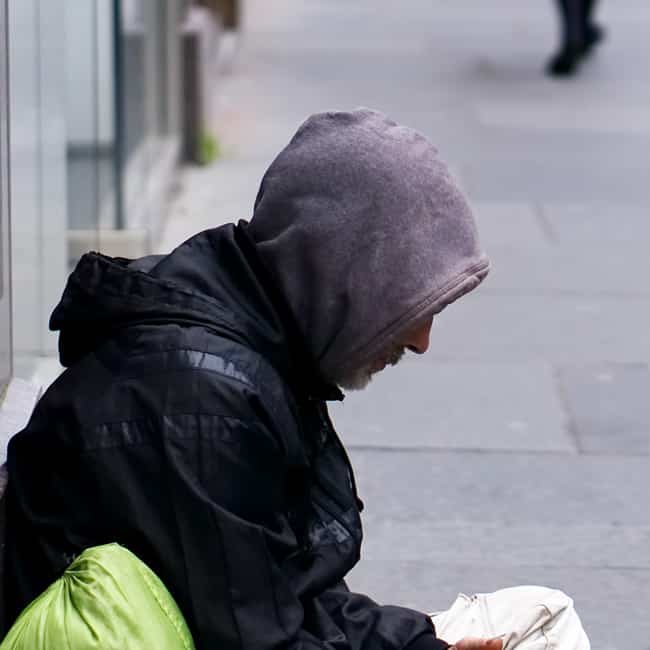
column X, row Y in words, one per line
column 472, row 643
column 495, row 644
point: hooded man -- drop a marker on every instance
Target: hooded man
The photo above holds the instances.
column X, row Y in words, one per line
column 191, row 423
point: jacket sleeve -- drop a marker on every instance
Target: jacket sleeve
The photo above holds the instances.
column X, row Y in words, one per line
column 231, row 564
column 369, row 624
column 226, row 499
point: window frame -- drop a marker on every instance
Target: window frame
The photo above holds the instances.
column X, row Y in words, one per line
column 6, row 346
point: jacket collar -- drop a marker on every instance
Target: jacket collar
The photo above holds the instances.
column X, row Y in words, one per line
column 303, row 371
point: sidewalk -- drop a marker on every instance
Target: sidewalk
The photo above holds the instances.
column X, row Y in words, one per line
column 517, row 450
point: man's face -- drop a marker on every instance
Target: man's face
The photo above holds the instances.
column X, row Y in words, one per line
column 416, row 340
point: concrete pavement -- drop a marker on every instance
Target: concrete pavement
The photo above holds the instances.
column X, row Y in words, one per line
column 517, row 450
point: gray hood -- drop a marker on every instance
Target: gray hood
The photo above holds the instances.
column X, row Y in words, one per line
column 365, row 232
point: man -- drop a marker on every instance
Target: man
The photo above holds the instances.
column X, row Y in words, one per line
column 191, row 424
column 579, row 35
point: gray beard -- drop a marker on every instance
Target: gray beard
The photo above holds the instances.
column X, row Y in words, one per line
column 361, row 378
column 356, row 381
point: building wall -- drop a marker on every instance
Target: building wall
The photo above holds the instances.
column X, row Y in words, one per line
column 90, row 148
column 89, row 57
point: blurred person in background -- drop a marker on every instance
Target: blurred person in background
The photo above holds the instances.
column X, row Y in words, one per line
column 579, row 35
column 191, row 424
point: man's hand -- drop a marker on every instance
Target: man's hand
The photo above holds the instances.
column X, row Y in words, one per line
column 471, row 643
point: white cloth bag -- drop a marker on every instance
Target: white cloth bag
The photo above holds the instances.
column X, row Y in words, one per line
column 526, row 618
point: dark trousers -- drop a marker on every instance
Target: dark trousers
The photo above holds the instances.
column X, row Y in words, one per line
column 577, row 16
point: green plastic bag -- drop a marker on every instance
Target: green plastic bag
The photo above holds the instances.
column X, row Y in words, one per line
column 107, row 599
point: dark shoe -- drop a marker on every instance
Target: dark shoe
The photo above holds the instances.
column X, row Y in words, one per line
column 593, row 36
column 565, row 62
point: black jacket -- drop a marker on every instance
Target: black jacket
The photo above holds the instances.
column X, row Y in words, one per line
column 191, row 428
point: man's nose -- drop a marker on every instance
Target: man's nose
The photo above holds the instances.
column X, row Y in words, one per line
column 418, row 341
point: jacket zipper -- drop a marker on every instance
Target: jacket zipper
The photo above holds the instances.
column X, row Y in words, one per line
column 337, row 441
column 325, row 419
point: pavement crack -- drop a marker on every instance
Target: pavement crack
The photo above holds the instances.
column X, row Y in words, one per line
column 571, row 425
column 545, row 224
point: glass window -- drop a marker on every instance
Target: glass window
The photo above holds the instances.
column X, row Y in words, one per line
column 90, row 115
column 148, row 104
column 123, row 115
column 37, row 175
column 91, row 145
